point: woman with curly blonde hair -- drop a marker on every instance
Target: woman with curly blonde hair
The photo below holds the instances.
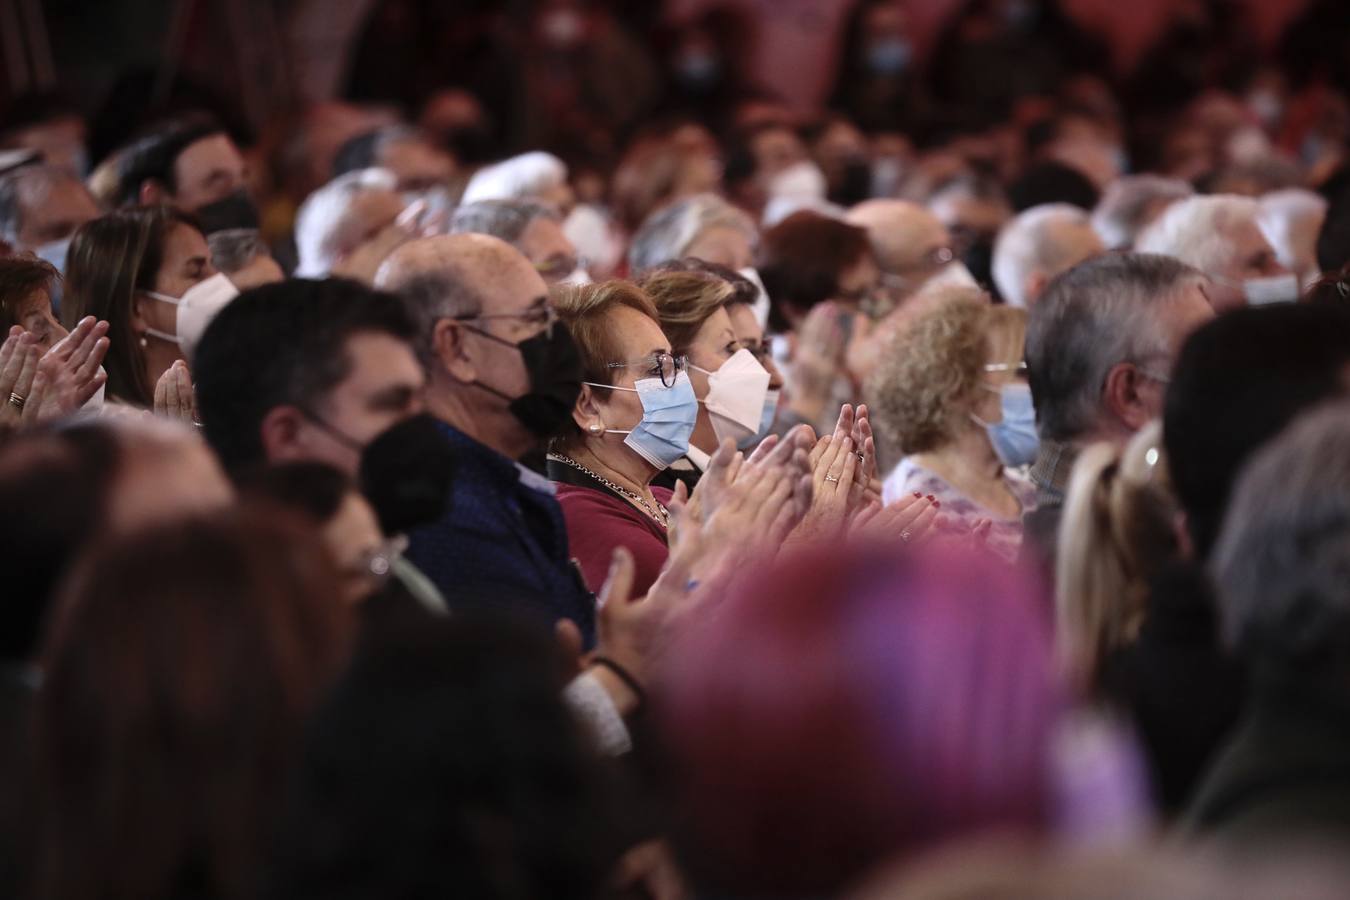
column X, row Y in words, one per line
column 933, row 399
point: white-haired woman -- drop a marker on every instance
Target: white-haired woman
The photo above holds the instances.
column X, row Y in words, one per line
column 703, row 226
column 537, row 176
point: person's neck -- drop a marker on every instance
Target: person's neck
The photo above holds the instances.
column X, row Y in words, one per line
column 1106, row 431
column 704, row 436
column 618, row 464
column 450, row 405
column 968, row 459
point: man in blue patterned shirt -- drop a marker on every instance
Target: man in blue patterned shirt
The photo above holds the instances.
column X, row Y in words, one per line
column 501, row 378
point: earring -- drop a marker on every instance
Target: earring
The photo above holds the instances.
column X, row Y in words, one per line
column 595, row 428
column 144, row 342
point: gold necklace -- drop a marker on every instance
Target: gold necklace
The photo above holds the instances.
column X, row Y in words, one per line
column 662, row 518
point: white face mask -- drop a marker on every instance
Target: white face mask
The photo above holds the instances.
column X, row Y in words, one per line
column 953, row 274
column 196, row 308
column 761, row 304
column 802, row 180
column 736, row 395
column 1275, row 289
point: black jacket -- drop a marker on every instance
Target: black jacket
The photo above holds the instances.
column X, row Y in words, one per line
column 1183, row 692
column 1284, row 773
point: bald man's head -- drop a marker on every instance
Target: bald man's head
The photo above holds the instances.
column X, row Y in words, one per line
column 904, row 235
column 477, row 298
column 458, row 275
column 471, row 265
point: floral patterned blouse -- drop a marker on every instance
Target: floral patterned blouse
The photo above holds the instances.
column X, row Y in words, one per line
column 1005, row 535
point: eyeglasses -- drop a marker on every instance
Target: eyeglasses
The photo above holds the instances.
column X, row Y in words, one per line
column 659, row 365
column 858, row 295
column 558, row 268
column 540, row 317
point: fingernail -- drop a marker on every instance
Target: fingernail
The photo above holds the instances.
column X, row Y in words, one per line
column 932, row 499
column 918, row 496
column 937, row 504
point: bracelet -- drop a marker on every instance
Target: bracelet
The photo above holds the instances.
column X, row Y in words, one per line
column 623, row 675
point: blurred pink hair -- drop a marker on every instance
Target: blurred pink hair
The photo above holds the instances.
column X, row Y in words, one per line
column 852, row 704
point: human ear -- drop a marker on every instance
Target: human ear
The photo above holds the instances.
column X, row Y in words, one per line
column 447, row 342
column 587, row 413
column 281, row 432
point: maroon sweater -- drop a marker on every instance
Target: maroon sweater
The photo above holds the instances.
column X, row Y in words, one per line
column 598, row 520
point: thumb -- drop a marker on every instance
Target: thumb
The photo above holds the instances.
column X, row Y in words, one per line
column 568, row 637
column 618, row 587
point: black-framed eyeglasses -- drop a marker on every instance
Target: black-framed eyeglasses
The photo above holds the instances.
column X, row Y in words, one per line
column 541, row 317
column 659, row 365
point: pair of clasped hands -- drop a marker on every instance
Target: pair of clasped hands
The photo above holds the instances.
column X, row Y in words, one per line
column 789, row 490
column 39, row 387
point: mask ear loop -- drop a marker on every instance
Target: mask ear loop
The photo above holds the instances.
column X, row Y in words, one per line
column 155, row 333
column 600, row 428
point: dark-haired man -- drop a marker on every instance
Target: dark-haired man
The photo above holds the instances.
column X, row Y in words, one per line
column 309, row 370
column 192, row 164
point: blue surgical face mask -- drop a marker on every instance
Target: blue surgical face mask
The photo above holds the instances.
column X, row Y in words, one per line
column 890, row 56
column 669, row 415
column 766, row 420
column 1014, row 438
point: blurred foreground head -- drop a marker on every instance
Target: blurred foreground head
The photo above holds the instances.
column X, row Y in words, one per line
column 179, row 667
column 479, row 782
column 65, row 487
column 846, row 707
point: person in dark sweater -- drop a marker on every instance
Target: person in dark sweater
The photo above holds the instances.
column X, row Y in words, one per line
column 1280, row 562
column 1220, row 409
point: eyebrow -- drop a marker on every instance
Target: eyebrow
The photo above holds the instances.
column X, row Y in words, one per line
column 541, row 300
column 394, row 395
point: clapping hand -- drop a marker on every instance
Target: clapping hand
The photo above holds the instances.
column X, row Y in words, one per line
column 37, row 387
column 174, row 397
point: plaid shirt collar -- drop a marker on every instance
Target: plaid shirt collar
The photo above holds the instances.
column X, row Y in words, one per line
column 1050, row 471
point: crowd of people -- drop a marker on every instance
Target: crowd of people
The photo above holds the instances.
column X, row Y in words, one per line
column 933, row 497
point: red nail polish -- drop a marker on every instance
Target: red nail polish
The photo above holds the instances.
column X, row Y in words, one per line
column 937, row 504
column 918, row 496
column 931, row 498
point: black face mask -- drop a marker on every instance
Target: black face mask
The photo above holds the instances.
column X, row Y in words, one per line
column 235, row 211
column 406, row 473
column 554, row 368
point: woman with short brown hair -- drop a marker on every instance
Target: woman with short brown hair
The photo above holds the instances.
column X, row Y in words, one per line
column 633, row 418
column 728, row 380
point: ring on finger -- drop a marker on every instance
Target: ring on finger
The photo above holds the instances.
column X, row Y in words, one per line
column 905, row 536
column 833, row 479
column 16, row 401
